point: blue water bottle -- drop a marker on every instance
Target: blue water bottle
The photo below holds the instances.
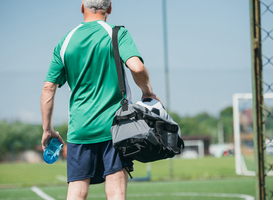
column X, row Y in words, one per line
column 52, row 151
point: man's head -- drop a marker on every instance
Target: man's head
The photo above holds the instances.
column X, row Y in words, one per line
column 95, row 5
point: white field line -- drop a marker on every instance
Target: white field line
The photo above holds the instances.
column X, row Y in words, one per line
column 61, row 178
column 41, row 194
column 242, row 196
column 18, row 198
column 180, row 194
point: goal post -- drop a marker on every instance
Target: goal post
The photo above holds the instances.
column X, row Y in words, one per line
column 243, row 132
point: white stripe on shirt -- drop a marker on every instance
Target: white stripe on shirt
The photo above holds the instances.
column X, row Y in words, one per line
column 66, row 41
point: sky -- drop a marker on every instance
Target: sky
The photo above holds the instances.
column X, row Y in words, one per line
column 208, row 51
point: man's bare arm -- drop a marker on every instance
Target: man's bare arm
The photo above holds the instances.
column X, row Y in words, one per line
column 141, row 77
column 47, row 107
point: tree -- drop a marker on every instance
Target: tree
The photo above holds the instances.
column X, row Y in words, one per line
column 226, row 116
column 17, row 136
column 201, row 124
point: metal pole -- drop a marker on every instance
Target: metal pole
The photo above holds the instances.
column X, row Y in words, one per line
column 166, row 62
column 220, row 131
column 258, row 102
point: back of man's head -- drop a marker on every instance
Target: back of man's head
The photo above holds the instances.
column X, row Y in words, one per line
column 97, row 4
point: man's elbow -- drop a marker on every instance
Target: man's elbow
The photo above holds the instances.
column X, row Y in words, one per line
column 49, row 87
column 135, row 65
column 139, row 69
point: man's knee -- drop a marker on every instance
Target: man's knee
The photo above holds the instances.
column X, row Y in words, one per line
column 115, row 185
column 81, row 195
column 78, row 190
column 121, row 175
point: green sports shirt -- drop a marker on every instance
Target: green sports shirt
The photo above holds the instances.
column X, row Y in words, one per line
column 84, row 59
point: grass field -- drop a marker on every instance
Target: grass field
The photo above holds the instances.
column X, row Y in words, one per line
column 250, row 161
column 204, row 178
column 227, row 189
column 41, row 174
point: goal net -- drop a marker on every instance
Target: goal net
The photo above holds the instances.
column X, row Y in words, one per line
column 244, row 136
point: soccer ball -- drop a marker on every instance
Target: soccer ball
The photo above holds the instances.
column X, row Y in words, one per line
column 154, row 106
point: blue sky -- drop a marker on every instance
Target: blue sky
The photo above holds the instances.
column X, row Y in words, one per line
column 208, row 47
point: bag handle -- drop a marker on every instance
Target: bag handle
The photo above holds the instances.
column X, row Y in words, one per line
column 118, row 61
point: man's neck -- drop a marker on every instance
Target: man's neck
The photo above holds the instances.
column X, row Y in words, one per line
column 89, row 17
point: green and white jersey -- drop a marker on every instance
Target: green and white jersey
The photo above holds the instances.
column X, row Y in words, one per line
column 84, row 58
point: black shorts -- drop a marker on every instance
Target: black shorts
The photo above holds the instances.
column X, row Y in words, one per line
column 94, row 161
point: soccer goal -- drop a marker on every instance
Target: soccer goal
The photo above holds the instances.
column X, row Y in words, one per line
column 193, row 149
column 243, row 132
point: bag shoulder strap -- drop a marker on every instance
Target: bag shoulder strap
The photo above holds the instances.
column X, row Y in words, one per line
column 118, row 62
column 117, row 58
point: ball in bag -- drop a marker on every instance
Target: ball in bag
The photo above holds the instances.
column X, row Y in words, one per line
column 154, row 106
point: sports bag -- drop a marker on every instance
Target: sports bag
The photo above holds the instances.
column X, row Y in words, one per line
column 138, row 133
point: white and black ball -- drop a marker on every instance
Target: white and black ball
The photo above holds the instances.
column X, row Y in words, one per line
column 154, row 106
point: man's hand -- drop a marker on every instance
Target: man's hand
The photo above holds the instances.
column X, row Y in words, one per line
column 153, row 96
column 49, row 135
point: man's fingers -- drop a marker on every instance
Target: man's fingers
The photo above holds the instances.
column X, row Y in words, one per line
column 47, row 136
column 151, row 96
column 44, row 145
column 59, row 137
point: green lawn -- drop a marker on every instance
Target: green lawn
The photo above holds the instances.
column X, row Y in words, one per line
column 227, row 189
column 202, row 168
column 26, row 174
column 250, row 161
column 192, row 179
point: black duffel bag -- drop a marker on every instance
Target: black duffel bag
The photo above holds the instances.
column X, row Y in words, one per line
column 144, row 136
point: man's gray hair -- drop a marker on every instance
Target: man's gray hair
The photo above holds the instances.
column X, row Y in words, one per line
column 97, row 4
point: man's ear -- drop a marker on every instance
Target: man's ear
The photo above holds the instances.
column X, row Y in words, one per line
column 82, row 8
column 109, row 10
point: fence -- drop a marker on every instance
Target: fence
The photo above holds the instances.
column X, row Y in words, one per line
column 262, row 41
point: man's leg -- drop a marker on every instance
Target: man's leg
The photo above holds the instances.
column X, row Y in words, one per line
column 115, row 185
column 78, row 190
